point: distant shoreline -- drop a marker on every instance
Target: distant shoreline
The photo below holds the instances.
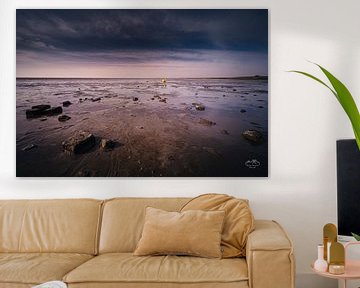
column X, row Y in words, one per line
column 256, row 77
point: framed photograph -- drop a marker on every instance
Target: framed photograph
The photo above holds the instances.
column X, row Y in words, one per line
column 142, row 93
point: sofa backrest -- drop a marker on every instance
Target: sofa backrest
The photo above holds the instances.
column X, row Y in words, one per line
column 67, row 226
column 123, row 220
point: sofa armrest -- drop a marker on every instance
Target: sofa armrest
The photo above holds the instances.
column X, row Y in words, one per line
column 269, row 255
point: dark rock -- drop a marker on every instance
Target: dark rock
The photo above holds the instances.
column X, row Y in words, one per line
column 242, row 110
column 96, row 99
column 152, row 98
column 206, row 122
column 64, row 118
column 234, row 90
column 66, row 103
column 107, row 144
column 199, row 107
column 36, row 111
column 225, row 132
column 81, row 142
column 260, row 106
column 253, row 136
column 29, row 147
column 53, row 111
column 135, row 99
column 41, row 110
column 162, row 100
column 41, row 107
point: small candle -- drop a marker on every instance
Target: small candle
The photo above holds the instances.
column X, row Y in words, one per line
column 336, row 269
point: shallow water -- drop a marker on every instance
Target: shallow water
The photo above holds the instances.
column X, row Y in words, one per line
column 157, row 139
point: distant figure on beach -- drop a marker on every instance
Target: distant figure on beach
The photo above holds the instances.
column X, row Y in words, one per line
column 163, row 81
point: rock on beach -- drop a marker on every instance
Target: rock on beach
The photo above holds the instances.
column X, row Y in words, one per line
column 81, row 142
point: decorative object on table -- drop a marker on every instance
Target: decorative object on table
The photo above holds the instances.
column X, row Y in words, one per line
column 337, row 258
column 349, row 271
column 320, row 264
column 329, row 236
column 344, row 97
column 51, row 284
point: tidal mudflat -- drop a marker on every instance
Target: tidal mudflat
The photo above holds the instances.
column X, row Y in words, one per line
column 139, row 127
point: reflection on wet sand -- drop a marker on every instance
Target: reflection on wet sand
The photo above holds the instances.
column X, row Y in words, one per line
column 142, row 127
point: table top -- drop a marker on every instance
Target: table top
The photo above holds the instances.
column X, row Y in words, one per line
column 352, row 271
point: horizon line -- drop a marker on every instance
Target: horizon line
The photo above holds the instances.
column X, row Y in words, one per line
column 256, row 77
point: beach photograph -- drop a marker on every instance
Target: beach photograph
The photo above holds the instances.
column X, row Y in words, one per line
column 142, row 93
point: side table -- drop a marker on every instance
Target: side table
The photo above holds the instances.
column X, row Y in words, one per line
column 352, row 268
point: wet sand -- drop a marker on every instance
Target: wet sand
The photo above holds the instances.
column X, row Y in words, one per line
column 152, row 138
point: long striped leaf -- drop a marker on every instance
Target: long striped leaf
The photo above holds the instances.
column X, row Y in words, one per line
column 344, row 97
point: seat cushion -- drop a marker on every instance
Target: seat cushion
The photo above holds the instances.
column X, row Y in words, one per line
column 35, row 268
column 126, row 268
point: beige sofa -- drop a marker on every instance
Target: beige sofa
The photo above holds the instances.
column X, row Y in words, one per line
column 89, row 243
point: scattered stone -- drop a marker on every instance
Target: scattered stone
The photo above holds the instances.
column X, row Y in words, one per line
column 242, row 110
column 95, row 99
column 66, row 103
column 253, row 136
column 41, row 107
column 162, row 100
column 29, row 147
column 64, row 118
column 152, row 98
column 81, row 142
column 107, row 144
column 135, row 98
column 225, row 132
column 224, row 95
column 234, row 90
column 206, row 122
column 41, row 110
column 199, row 107
column 53, row 111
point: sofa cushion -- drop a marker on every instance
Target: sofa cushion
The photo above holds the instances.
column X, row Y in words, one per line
column 63, row 226
column 123, row 220
column 239, row 220
column 36, row 268
column 194, row 232
column 126, row 268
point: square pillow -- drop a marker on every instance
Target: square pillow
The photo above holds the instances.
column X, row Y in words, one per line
column 238, row 223
column 193, row 232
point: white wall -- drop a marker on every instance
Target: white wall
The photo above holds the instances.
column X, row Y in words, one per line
column 305, row 120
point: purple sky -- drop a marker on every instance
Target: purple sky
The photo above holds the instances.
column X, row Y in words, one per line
column 141, row 43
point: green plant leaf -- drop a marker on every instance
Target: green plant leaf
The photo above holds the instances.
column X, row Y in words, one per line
column 356, row 236
column 344, row 97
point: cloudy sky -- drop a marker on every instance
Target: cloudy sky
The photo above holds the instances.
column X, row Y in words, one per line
column 141, row 43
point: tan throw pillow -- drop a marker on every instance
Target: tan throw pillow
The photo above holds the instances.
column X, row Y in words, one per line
column 196, row 233
column 238, row 224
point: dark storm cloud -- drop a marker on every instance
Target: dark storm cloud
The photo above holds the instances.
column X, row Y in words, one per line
column 113, row 30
